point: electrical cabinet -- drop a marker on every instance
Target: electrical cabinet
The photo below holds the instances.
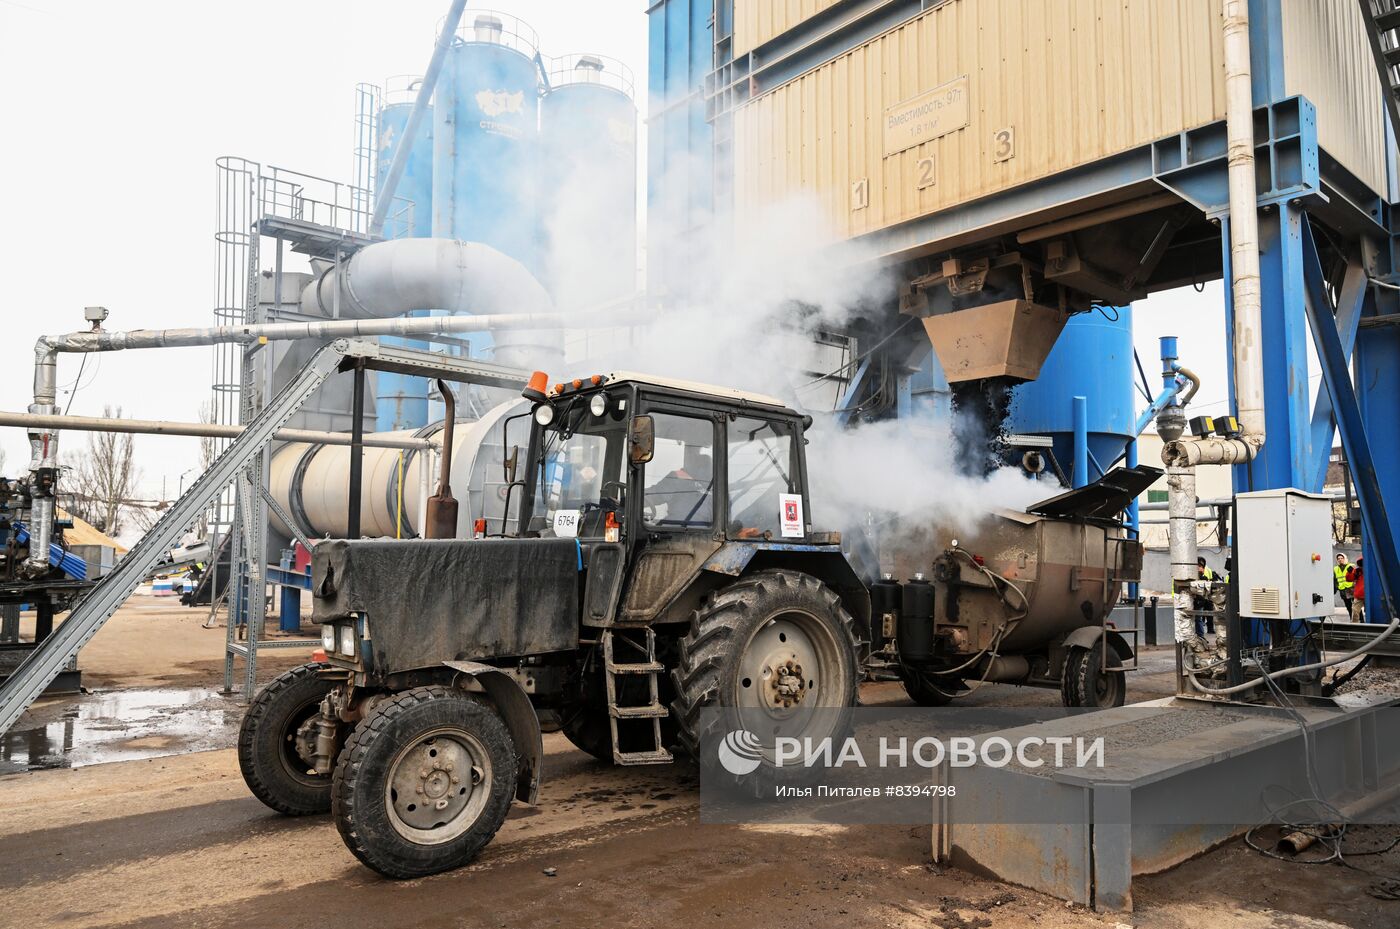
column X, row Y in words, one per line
column 1283, row 554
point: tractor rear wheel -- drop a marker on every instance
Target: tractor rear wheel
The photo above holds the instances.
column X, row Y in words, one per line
column 275, row 738
column 583, row 712
column 424, row 782
column 760, row 653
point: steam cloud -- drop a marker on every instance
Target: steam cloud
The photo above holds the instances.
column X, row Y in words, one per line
column 751, row 302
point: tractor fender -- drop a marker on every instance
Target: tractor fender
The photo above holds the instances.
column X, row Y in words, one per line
column 519, row 715
column 1088, row 637
column 824, row 562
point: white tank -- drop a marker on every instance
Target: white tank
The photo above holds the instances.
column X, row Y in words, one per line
column 312, row 482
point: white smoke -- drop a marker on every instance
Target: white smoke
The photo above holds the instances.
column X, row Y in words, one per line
column 749, row 306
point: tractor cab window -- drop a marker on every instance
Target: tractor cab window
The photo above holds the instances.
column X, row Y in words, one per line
column 680, row 478
column 760, row 472
column 578, row 480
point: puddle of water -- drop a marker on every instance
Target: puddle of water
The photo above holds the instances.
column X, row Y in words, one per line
column 119, row 725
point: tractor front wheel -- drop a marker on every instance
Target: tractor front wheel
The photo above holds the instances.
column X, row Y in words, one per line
column 277, row 739
column 424, row 782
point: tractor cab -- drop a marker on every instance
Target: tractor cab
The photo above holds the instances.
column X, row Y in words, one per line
column 641, row 459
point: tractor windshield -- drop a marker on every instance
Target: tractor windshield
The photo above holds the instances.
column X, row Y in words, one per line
column 578, row 479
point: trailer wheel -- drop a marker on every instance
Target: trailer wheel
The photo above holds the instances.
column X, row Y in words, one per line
column 273, row 767
column 424, row 782
column 764, row 648
column 1084, row 683
column 924, row 689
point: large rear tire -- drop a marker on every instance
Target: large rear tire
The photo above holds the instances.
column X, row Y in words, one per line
column 583, row 712
column 1085, row 683
column 424, row 782
column 761, row 650
column 274, row 769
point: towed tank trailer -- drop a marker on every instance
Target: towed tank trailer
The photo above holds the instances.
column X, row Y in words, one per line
column 654, row 558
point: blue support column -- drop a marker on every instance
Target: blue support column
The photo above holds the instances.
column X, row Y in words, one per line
column 1382, row 560
column 1080, row 476
column 289, row 617
column 1378, row 395
column 1286, row 458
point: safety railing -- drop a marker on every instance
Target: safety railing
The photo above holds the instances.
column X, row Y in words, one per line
column 307, row 198
column 584, row 68
column 492, row 27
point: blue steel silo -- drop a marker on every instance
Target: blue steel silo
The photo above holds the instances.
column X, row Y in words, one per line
column 486, row 139
column 402, row 401
column 588, row 196
column 1092, row 359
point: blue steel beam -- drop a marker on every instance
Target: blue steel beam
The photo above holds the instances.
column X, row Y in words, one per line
column 1349, row 305
column 850, row 401
column 1286, row 457
column 1375, row 519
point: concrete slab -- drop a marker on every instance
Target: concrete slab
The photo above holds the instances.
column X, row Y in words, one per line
column 1179, row 777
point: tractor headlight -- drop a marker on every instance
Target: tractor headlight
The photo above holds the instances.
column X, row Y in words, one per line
column 347, row 640
column 598, row 404
column 544, row 414
column 328, row 638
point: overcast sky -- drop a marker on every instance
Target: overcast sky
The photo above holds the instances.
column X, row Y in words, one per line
column 115, row 113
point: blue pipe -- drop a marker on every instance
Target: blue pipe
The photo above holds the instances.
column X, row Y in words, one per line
column 1133, row 525
column 1080, row 477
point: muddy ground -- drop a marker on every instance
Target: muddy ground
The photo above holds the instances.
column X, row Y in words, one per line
column 174, row 838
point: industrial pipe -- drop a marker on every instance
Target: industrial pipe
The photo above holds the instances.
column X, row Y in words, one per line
column 1244, row 260
column 442, row 506
column 196, row 430
column 399, row 276
column 1181, row 543
column 43, row 440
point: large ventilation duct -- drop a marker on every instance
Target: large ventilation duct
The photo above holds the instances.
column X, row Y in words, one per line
column 311, row 481
column 395, row 277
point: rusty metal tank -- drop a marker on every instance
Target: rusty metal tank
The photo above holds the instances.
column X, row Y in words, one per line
column 1033, row 579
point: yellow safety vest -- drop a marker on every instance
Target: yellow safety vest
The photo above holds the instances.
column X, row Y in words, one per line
column 1341, row 573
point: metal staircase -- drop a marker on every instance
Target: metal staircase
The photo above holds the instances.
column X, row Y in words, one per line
column 652, row 711
column 54, row 653
column 1382, row 18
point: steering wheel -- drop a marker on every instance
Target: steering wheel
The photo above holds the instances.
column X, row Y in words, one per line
column 616, row 500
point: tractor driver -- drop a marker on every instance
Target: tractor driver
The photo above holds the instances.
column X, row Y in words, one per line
column 684, row 497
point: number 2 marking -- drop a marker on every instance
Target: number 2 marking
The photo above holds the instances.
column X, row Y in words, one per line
column 927, row 176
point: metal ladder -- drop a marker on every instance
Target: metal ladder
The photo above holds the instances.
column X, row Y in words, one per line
column 1382, row 18
column 53, row 654
column 653, row 710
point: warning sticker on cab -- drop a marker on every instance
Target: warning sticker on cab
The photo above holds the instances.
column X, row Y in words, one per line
column 566, row 524
column 791, row 513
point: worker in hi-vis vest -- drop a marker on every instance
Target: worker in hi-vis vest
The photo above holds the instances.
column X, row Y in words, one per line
column 1341, row 580
column 1204, row 573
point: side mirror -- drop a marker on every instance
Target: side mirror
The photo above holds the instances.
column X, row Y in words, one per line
column 512, row 463
column 641, row 439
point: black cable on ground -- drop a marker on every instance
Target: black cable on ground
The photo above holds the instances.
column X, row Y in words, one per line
column 1330, row 837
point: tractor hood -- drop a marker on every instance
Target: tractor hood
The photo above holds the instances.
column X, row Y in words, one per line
column 434, row 600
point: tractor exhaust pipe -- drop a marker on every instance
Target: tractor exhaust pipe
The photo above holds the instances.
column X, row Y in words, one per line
column 442, row 506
